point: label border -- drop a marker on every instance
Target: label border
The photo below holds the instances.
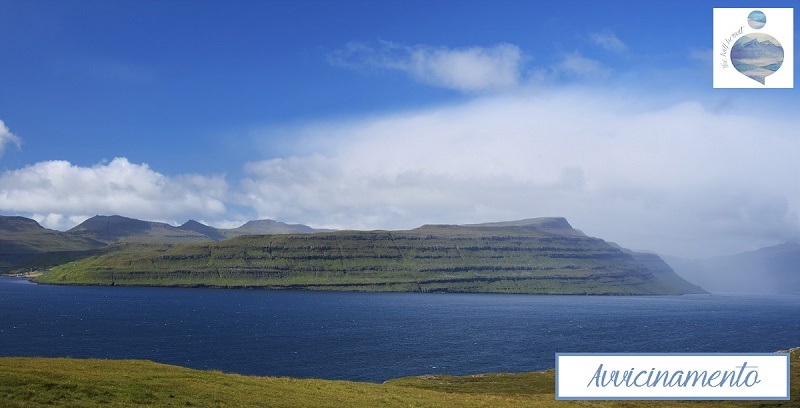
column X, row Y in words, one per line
column 785, row 355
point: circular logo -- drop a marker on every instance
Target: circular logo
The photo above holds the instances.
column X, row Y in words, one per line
column 756, row 19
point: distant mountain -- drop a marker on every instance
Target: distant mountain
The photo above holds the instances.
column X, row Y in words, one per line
column 542, row 255
column 664, row 273
column 23, row 240
column 773, row 269
column 116, row 228
column 18, row 224
column 24, row 244
column 558, row 225
column 267, row 227
column 210, row 232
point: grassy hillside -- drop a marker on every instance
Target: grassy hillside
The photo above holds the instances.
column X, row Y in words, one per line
column 535, row 256
column 26, row 246
column 39, row 382
column 23, row 241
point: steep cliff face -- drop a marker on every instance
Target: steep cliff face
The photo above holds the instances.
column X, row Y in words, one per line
column 529, row 256
column 664, row 273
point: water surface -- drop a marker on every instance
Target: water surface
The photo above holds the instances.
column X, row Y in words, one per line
column 376, row 336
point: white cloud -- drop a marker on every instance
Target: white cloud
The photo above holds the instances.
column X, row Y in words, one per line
column 572, row 67
column 6, row 137
column 468, row 69
column 60, row 194
column 682, row 178
column 676, row 178
column 609, row 41
column 575, row 64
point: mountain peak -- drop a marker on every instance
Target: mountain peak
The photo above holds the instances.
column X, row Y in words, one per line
column 542, row 222
column 106, row 222
column 555, row 224
column 14, row 223
column 268, row 226
column 210, row 232
column 192, row 224
column 261, row 222
column 113, row 228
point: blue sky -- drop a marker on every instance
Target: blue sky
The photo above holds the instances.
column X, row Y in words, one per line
column 391, row 114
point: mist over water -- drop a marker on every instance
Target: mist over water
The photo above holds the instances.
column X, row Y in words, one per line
column 773, row 269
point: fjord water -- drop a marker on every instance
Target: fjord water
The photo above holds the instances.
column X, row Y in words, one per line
column 376, row 336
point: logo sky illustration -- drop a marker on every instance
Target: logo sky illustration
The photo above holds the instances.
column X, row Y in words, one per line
column 757, row 55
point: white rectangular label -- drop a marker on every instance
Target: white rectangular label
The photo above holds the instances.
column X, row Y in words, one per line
column 753, row 47
column 672, row 376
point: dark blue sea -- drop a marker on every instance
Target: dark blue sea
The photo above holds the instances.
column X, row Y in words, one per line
column 376, row 336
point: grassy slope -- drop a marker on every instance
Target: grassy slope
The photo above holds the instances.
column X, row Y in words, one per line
column 434, row 258
column 23, row 243
column 32, row 382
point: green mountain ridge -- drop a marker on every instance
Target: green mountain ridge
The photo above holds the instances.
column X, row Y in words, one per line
column 23, row 241
column 542, row 255
column 210, row 232
column 25, row 245
column 115, row 228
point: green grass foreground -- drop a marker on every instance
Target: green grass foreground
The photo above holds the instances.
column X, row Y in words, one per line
column 35, row 382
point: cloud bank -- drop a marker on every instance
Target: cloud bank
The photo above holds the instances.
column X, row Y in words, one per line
column 59, row 194
column 682, row 177
column 677, row 178
column 470, row 69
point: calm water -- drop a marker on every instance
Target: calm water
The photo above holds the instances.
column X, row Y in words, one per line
column 376, row 336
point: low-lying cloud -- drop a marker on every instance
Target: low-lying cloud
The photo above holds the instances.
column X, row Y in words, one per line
column 677, row 178
column 59, row 194
column 683, row 178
